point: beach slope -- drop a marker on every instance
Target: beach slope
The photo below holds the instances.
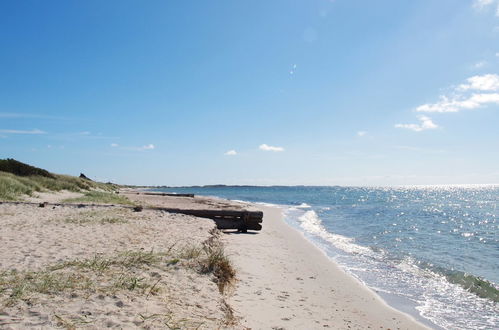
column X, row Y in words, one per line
column 285, row 282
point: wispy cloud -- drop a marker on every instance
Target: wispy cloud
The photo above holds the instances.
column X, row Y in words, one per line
column 231, row 153
column 148, row 147
column 425, row 124
column 15, row 131
column 361, row 133
column 478, row 91
column 142, row 148
column 484, row 4
column 81, row 135
column 18, row 115
column 447, row 104
column 480, row 64
column 266, row 147
column 486, row 82
column 418, row 149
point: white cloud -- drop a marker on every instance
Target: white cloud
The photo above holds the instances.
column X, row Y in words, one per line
column 426, row 124
column 486, row 82
column 459, row 103
column 361, row 133
column 143, row 148
column 266, row 147
column 231, row 153
column 480, row 64
column 15, row 131
column 482, row 3
column 470, row 95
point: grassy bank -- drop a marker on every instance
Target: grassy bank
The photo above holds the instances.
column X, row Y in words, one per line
column 100, row 197
column 17, row 179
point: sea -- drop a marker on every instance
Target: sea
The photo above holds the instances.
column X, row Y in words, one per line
column 429, row 251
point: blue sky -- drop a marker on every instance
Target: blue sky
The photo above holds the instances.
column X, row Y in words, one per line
column 319, row 92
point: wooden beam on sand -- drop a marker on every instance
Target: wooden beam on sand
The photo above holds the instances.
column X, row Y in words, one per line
column 158, row 194
column 242, row 220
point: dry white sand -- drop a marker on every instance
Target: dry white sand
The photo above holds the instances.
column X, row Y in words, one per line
column 52, row 197
column 285, row 282
column 167, row 294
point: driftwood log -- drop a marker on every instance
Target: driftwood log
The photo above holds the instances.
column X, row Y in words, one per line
column 169, row 194
column 159, row 194
column 241, row 220
column 225, row 219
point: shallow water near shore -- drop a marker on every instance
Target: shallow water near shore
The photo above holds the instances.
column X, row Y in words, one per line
column 431, row 251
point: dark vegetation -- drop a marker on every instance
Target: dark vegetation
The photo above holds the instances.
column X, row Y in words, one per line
column 18, row 179
column 15, row 167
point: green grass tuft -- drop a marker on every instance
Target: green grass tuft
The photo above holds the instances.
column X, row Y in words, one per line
column 21, row 286
column 100, row 197
column 127, row 259
column 217, row 262
column 131, row 283
column 97, row 217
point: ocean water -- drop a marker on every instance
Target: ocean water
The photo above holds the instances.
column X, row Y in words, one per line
column 431, row 251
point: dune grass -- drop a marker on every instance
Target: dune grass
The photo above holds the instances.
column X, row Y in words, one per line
column 112, row 216
column 12, row 187
column 125, row 271
column 101, row 197
column 17, row 179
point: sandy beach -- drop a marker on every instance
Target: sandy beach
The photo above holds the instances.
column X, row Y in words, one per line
column 91, row 267
column 284, row 282
column 287, row 283
column 111, row 267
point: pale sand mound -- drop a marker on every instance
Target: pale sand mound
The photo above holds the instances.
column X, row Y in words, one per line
column 96, row 268
column 52, row 197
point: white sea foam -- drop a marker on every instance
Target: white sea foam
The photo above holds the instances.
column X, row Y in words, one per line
column 312, row 224
column 241, row 201
column 303, row 206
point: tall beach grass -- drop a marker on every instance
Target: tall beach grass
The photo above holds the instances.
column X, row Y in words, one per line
column 12, row 187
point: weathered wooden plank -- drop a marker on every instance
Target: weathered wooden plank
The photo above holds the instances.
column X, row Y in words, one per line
column 257, row 215
column 168, row 194
column 237, row 224
column 225, row 219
